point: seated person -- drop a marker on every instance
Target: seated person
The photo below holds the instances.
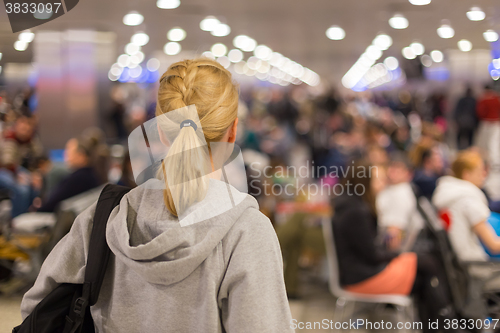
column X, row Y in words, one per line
column 428, row 171
column 50, row 175
column 83, row 177
column 367, row 268
column 460, row 199
column 20, row 147
column 397, row 204
column 100, row 158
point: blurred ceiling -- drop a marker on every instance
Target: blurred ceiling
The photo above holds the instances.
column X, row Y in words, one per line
column 294, row 28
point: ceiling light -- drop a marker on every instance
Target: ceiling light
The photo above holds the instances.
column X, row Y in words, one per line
column 398, row 21
column 168, row 4
column 235, row 55
column 153, row 64
column 495, row 75
column 116, row 71
column 496, row 63
column 288, row 67
column 133, row 18
column 437, row 56
column 221, row 30
column 172, row 48
column 297, row 70
column 365, row 61
column 254, row 63
column 132, row 48
column 218, row 49
column 420, row 2
column 335, row 33
column 417, row 48
column 490, row 36
column 426, row 60
column 464, row 45
column 408, row 53
column 137, row 58
column 250, row 45
column 391, row 63
column 20, row 45
column 284, row 63
column 240, row 40
column 476, row 14
column 383, row 41
column 111, row 76
column 250, row 72
column 239, row 67
column 26, row 36
column 276, row 59
column 445, row 31
column 208, row 54
column 261, row 76
column 224, row 61
column 209, row 23
column 263, row 52
column 245, row 43
column 123, row 60
column 373, row 52
column 140, row 39
column 176, row 34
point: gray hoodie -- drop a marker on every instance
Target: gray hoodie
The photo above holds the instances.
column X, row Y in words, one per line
column 223, row 274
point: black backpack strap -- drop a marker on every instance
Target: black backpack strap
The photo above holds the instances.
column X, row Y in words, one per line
column 99, row 251
column 97, row 258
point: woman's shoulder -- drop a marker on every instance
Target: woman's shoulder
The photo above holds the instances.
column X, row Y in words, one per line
column 251, row 222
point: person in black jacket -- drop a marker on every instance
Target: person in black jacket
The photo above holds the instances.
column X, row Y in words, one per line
column 83, row 178
column 466, row 119
column 367, row 268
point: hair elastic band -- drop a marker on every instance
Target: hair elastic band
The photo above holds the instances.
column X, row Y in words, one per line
column 189, row 122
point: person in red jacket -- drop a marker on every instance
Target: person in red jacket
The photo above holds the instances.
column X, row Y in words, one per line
column 488, row 113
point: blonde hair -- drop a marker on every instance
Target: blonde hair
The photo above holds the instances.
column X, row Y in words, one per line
column 416, row 154
column 209, row 86
column 467, row 160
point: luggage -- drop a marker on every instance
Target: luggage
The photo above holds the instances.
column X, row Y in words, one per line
column 67, row 308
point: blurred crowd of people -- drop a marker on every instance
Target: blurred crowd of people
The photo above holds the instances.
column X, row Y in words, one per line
column 32, row 178
column 403, row 135
column 407, row 140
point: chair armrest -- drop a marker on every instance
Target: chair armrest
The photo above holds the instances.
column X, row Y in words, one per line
column 492, row 264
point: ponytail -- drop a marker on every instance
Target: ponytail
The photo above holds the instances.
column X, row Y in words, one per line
column 208, row 86
column 187, row 165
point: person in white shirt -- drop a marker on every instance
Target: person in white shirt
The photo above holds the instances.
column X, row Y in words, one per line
column 397, row 205
column 464, row 207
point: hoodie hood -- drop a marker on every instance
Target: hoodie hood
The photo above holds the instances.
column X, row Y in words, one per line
column 451, row 189
column 143, row 234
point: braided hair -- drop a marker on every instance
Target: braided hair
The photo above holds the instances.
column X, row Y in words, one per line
column 209, row 86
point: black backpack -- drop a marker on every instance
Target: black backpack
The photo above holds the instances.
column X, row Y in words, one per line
column 67, row 308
